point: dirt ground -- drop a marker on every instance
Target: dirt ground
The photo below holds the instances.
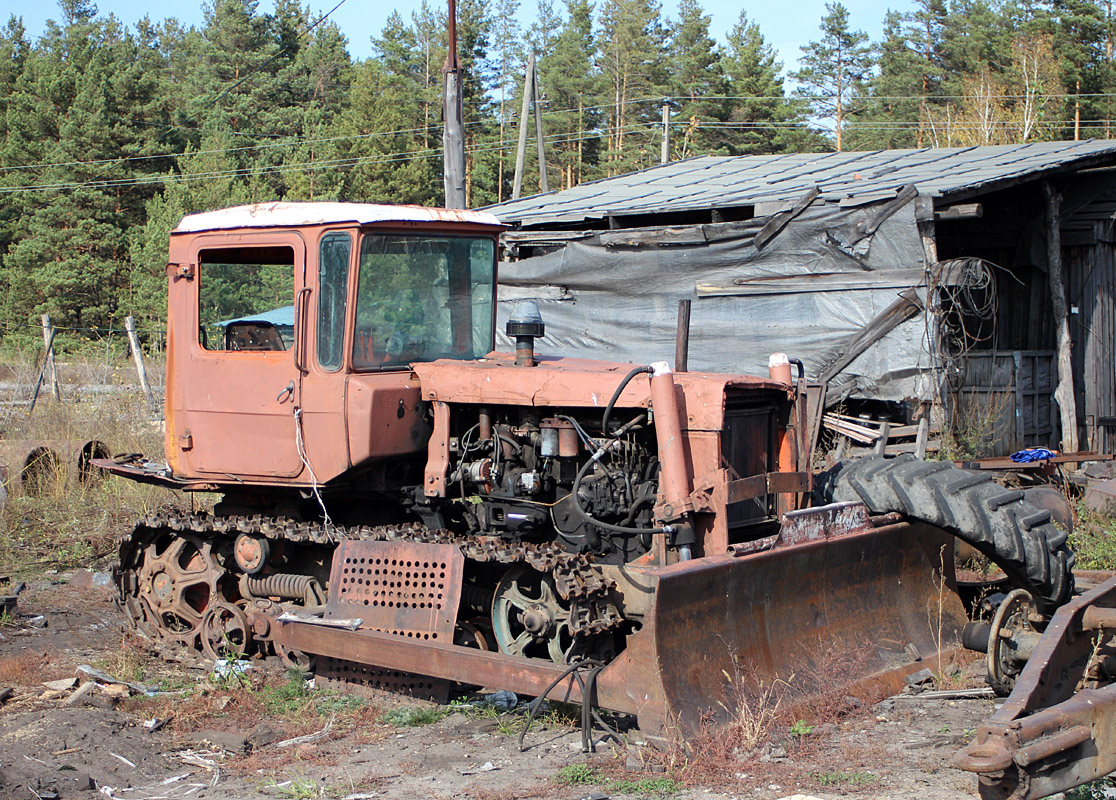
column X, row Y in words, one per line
column 230, row 739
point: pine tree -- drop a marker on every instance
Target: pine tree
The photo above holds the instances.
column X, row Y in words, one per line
column 696, row 83
column 632, row 57
column 765, row 121
column 85, row 111
column 1079, row 44
column 911, row 74
column 834, row 69
column 571, row 83
column 508, row 63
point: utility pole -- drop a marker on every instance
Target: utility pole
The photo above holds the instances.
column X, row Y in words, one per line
column 543, row 183
column 524, row 112
column 453, row 136
column 530, row 91
column 664, row 157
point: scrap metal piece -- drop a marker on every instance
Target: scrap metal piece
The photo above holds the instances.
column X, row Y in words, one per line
column 1057, row 729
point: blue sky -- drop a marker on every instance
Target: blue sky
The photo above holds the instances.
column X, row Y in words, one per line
column 786, row 27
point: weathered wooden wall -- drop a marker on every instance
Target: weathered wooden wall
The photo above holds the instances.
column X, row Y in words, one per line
column 1092, row 282
column 1006, row 401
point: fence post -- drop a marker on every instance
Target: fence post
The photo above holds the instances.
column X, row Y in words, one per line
column 137, row 355
column 51, row 372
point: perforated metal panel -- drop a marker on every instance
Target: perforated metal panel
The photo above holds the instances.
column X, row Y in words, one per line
column 411, row 590
column 365, row 681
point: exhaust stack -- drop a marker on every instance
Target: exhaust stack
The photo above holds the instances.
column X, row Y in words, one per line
column 525, row 325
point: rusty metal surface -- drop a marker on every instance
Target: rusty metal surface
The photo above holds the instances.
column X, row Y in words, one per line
column 444, row 660
column 575, row 382
column 1057, row 729
column 751, row 618
column 674, row 478
column 33, row 462
column 839, row 609
column 1008, row 464
column 362, row 680
column 408, row 589
column 824, row 522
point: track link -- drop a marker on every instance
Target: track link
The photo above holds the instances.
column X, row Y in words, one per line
column 576, row 579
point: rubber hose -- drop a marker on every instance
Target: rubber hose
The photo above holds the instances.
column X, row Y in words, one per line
column 620, row 390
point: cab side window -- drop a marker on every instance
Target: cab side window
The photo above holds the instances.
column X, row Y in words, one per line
column 333, row 281
column 246, row 298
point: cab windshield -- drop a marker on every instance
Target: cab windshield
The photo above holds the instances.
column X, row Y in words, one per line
column 423, row 297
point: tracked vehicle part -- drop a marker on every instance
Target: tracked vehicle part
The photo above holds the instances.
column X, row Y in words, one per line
column 169, row 574
column 1018, row 537
column 407, row 589
column 1057, row 729
column 176, row 579
column 225, row 631
column 528, row 617
column 720, row 625
column 411, row 590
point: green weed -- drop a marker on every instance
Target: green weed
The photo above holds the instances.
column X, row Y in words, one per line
column 299, row 789
column 1094, row 539
column 416, row 716
column 1096, row 790
column 660, row 786
column 577, row 775
column 837, row 778
column 801, row 728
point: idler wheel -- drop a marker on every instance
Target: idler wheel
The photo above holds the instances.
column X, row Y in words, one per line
column 225, row 632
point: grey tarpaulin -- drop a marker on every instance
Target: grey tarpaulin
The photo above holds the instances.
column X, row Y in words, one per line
column 805, row 293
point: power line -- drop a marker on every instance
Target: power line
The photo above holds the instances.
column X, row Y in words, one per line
column 435, row 129
column 506, row 145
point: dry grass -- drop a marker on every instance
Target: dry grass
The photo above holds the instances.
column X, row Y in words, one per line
column 72, row 523
column 28, row 668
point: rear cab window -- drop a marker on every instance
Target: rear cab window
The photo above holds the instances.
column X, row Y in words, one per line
column 246, row 298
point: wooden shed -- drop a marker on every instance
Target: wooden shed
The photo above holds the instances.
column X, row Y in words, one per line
column 973, row 280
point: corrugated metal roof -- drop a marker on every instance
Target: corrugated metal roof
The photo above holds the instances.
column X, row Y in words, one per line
column 727, row 181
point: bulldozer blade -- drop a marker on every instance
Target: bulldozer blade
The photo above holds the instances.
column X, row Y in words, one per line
column 846, row 614
column 833, row 604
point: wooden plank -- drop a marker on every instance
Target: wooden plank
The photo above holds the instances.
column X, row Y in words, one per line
column 865, row 228
column 682, row 337
column 960, row 211
column 688, row 235
column 1064, row 394
column 812, row 283
column 776, row 224
column 907, row 306
column 544, row 237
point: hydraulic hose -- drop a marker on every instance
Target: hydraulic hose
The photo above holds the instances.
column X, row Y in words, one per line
column 619, row 391
column 585, row 515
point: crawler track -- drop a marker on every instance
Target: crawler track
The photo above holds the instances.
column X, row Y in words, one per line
column 179, row 584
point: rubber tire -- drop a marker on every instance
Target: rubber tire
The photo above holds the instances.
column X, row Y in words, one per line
column 1018, row 537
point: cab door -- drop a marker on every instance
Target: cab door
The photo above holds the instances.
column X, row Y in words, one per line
column 241, row 386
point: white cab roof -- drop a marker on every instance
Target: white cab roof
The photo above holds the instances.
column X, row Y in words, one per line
column 289, row 215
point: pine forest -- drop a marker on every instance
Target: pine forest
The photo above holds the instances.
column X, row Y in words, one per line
column 111, row 130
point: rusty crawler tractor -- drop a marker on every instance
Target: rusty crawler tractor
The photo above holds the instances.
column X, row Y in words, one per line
column 402, row 507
